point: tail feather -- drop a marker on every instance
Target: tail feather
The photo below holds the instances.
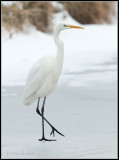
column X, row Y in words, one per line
column 28, row 100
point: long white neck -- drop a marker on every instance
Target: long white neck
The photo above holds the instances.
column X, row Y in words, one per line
column 60, row 53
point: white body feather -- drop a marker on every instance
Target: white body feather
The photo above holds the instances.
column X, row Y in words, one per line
column 43, row 76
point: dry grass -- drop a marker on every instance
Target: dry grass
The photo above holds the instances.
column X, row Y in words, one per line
column 38, row 14
column 12, row 17
column 91, row 12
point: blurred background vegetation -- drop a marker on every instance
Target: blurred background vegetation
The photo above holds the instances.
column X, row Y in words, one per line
column 40, row 14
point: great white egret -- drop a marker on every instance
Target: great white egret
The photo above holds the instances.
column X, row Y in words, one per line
column 43, row 77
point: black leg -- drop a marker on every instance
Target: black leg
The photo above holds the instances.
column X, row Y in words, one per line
column 43, row 136
column 42, row 111
column 43, row 118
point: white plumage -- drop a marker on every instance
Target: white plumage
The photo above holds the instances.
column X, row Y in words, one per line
column 41, row 80
column 44, row 74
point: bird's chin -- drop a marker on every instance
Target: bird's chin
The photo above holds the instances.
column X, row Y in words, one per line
column 65, row 28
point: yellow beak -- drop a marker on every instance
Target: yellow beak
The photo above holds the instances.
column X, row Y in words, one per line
column 71, row 26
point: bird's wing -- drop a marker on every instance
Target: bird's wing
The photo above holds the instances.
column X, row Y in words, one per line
column 37, row 75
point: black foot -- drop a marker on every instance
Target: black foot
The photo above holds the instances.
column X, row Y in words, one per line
column 44, row 139
column 53, row 128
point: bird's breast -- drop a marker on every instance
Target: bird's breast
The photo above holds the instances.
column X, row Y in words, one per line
column 48, row 86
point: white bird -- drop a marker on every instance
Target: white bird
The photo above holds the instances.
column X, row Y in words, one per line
column 43, row 77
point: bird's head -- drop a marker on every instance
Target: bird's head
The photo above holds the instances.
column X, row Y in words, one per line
column 63, row 26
